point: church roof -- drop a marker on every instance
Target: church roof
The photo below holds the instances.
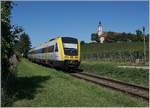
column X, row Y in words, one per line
column 105, row 34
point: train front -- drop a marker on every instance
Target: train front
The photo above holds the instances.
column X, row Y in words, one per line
column 71, row 48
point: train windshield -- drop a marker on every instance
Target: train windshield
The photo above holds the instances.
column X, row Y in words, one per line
column 70, row 46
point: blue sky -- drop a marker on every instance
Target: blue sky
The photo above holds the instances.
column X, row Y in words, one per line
column 45, row 20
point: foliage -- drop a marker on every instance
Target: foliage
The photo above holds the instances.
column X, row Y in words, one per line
column 82, row 42
column 39, row 86
column 121, row 37
column 24, row 44
column 108, row 69
column 94, row 37
column 9, row 38
column 122, row 52
column 111, row 37
column 139, row 32
column 6, row 11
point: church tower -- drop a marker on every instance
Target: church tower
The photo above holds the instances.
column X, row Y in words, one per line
column 99, row 29
column 100, row 32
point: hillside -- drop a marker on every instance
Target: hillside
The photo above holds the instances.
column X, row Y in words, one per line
column 114, row 51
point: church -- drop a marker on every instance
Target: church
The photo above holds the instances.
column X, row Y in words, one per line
column 100, row 33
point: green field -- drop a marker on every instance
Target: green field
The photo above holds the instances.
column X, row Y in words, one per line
column 122, row 52
column 42, row 86
column 134, row 76
column 130, row 46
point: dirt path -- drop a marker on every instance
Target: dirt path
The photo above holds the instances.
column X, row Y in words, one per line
column 139, row 67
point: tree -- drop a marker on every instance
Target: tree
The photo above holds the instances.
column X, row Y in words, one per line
column 9, row 35
column 94, row 37
column 110, row 37
column 138, row 32
column 7, row 38
column 25, row 44
column 82, row 42
column 139, row 35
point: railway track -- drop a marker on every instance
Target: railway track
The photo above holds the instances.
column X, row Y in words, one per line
column 135, row 90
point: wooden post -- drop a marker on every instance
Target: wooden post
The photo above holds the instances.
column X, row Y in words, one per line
column 144, row 45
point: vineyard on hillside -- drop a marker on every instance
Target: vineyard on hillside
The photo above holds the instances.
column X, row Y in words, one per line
column 122, row 52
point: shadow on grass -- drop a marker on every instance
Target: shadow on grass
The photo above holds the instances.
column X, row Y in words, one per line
column 26, row 87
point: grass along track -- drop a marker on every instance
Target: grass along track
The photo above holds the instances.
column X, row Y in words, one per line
column 111, row 70
column 135, row 90
column 45, row 87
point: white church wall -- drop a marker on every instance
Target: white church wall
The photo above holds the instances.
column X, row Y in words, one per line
column 102, row 39
column 100, row 32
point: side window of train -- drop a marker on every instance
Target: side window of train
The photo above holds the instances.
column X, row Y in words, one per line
column 42, row 50
column 51, row 48
column 45, row 50
column 56, row 48
column 36, row 51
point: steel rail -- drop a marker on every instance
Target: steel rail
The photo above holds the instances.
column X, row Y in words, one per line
column 135, row 90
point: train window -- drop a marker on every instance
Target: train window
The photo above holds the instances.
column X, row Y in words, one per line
column 51, row 49
column 69, row 40
column 56, row 48
column 48, row 49
column 44, row 50
column 40, row 51
column 36, row 51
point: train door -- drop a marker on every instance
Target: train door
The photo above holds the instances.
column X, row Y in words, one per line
column 55, row 54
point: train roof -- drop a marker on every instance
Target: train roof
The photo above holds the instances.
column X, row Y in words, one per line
column 47, row 43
